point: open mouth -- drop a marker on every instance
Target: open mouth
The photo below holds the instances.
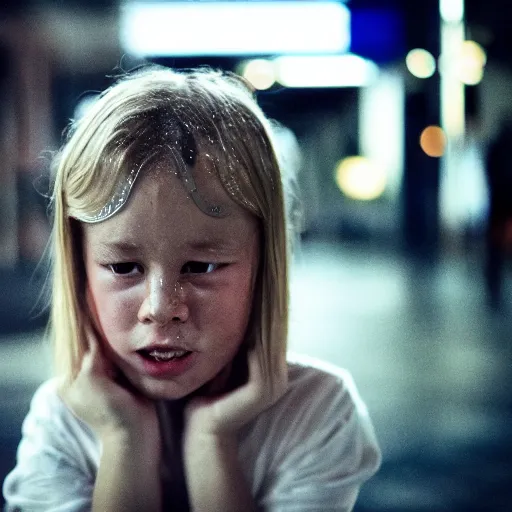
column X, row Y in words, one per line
column 161, row 355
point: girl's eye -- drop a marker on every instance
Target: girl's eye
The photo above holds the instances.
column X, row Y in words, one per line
column 126, row 269
column 198, row 267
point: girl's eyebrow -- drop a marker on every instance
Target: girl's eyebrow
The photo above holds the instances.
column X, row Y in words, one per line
column 216, row 244
column 117, row 245
column 209, row 245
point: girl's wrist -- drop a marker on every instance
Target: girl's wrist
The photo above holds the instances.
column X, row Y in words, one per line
column 143, row 430
column 146, row 444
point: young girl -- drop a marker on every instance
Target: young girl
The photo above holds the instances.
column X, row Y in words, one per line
column 169, row 321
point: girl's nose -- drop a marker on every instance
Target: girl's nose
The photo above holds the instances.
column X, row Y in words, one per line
column 164, row 303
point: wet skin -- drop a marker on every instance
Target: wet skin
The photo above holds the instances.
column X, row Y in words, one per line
column 162, row 272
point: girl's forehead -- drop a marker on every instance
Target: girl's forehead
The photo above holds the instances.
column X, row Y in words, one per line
column 200, row 181
column 160, row 210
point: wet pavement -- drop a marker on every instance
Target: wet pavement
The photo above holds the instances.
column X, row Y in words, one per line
column 431, row 361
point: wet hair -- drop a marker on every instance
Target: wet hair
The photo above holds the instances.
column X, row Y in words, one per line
column 147, row 118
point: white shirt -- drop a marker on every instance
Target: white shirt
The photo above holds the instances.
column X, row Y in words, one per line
column 311, row 451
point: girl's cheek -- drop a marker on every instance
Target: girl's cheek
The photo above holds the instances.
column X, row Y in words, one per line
column 118, row 311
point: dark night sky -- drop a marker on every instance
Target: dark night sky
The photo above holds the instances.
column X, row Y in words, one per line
column 488, row 22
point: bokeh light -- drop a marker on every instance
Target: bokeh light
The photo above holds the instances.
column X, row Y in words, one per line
column 260, row 73
column 433, row 141
column 420, row 63
column 84, row 104
column 472, row 60
column 452, row 11
column 347, row 70
column 360, row 178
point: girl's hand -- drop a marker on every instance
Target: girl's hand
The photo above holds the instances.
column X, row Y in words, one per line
column 101, row 397
column 224, row 414
column 128, row 477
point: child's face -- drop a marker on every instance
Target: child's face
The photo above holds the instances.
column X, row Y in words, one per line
column 172, row 287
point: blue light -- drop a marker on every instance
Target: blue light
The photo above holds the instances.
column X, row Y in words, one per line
column 377, row 34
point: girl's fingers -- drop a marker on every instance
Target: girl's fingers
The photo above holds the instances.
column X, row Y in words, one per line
column 95, row 360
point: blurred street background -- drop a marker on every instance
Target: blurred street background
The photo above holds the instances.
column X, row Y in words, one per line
column 396, row 117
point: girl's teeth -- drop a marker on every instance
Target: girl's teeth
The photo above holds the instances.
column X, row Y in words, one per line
column 161, row 355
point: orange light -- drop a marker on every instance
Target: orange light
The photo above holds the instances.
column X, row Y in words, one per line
column 433, row 141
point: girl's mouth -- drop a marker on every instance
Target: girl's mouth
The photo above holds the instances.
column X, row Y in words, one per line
column 163, row 355
column 164, row 362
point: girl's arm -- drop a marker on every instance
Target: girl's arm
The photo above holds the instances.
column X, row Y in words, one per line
column 128, row 477
column 215, row 479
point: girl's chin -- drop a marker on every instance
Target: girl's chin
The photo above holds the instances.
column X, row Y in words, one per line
column 165, row 391
column 157, row 389
column 179, row 387
column 223, row 382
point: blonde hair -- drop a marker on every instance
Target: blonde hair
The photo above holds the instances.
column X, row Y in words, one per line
column 134, row 123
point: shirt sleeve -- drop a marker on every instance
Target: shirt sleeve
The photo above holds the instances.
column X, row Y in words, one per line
column 317, row 448
column 56, row 459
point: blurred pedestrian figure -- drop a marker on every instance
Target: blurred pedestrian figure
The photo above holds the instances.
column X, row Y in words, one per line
column 499, row 224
